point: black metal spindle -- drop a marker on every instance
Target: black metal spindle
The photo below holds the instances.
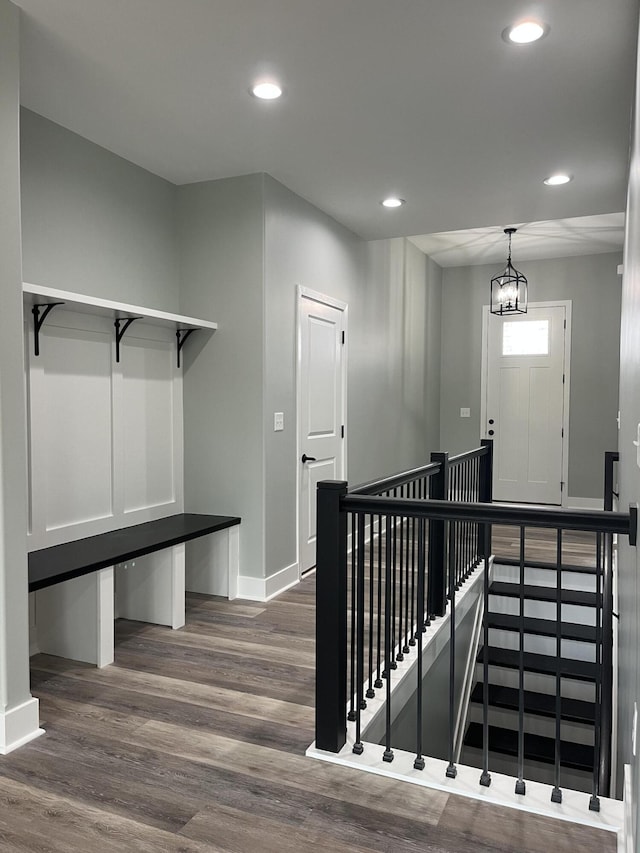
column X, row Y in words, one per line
column 412, row 632
column 361, row 703
column 378, row 682
column 400, row 652
column 556, row 794
column 394, row 569
column 451, row 771
column 351, row 716
column 370, row 691
column 388, row 752
column 594, row 802
column 520, row 785
column 485, row 777
column 419, row 760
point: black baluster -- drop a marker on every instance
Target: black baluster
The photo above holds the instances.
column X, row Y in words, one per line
column 415, row 487
column 388, row 752
column 419, row 760
column 394, row 566
column 400, row 654
column 594, row 802
column 351, row 716
column 520, row 785
column 485, row 777
column 370, row 691
column 556, row 794
column 378, row 682
column 361, row 704
column 451, row 771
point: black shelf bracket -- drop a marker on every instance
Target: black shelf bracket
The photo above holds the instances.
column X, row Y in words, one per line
column 38, row 320
column 181, row 337
column 121, row 328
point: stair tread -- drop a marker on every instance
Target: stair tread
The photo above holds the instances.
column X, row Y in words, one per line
column 578, row 756
column 546, row 664
column 541, row 704
column 544, row 627
column 543, row 593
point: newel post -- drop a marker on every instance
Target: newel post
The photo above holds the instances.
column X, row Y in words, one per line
column 436, row 580
column 485, row 496
column 331, row 617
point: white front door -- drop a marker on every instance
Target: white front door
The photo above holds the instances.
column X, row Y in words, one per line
column 320, row 409
column 525, row 404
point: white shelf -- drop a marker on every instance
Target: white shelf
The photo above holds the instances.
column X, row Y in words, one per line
column 36, row 294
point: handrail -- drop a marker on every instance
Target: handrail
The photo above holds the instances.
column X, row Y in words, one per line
column 476, row 453
column 395, row 480
column 481, row 513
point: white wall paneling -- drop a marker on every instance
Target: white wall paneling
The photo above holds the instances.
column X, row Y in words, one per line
column 105, row 438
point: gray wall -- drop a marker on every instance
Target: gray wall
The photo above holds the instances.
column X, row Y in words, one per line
column 592, row 283
column 14, row 622
column 94, row 223
column 302, row 246
column 220, row 232
column 629, row 474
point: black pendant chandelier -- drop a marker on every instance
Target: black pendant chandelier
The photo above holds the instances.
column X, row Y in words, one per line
column 509, row 288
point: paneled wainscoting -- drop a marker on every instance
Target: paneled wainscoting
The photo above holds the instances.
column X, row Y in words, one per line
column 194, row 740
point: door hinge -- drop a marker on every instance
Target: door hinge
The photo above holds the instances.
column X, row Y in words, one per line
column 563, row 378
column 565, row 324
column 343, row 338
column 342, row 431
column 561, row 485
column 563, row 432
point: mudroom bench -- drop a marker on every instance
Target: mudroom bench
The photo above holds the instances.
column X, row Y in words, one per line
column 75, row 581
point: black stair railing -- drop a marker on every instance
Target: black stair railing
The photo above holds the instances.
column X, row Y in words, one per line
column 386, row 531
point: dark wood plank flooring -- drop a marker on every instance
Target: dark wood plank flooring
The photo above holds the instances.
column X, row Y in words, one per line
column 194, row 741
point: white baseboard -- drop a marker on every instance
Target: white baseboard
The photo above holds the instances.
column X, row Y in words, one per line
column 628, row 835
column 19, row 725
column 264, row 589
column 585, row 503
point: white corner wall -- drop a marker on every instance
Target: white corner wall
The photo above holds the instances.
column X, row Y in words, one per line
column 18, row 710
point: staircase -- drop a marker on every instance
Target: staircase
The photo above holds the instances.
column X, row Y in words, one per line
column 578, row 676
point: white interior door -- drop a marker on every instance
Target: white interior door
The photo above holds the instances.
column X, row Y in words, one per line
column 320, row 410
column 525, row 404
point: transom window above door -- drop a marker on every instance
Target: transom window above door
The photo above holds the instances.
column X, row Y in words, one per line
column 525, row 337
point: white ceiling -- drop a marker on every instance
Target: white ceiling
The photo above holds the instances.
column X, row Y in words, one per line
column 420, row 98
column 586, row 235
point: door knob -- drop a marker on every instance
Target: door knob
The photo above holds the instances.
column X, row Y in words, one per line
column 491, row 420
column 490, row 432
column 306, row 458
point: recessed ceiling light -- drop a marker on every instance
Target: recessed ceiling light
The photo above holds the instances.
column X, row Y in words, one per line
column 557, row 180
column 392, row 201
column 266, row 91
column 525, row 32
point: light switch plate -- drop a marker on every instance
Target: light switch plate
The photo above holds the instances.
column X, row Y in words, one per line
column 465, row 413
column 278, row 421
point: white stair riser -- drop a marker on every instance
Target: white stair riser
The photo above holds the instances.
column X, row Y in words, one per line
column 573, row 649
column 537, row 682
column 543, row 609
column 545, row 577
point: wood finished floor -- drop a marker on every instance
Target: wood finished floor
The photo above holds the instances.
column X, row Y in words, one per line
column 194, row 741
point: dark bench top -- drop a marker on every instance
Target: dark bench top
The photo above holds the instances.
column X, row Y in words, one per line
column 49, row 566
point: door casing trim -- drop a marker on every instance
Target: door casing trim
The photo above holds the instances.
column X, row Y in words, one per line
column 556, row 303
